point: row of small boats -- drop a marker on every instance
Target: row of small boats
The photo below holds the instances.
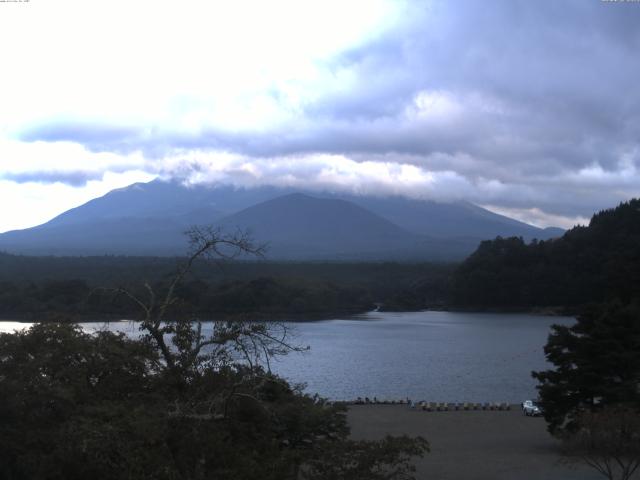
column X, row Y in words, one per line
column 433, row 406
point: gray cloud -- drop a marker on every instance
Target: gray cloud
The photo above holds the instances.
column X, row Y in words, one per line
column 75, row 178
column 542, row 106
column 97, row 137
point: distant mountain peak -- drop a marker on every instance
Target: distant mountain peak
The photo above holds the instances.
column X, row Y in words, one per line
column 295, row 196
column 149, row 218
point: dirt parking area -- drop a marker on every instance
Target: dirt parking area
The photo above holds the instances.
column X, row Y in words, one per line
column 473, row 445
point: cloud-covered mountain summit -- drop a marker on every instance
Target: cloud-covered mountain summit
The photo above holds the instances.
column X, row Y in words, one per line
column 148, row 219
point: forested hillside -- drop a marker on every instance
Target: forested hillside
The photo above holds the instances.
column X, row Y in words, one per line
column 588, row 264
column 40, row 288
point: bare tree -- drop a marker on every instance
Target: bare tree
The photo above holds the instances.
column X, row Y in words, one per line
column 607, row 440
column 180, row 340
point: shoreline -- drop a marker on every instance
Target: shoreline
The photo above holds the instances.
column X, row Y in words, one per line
column 471, row 445
column 285, row 317
column 252, row 316
column 547, row 311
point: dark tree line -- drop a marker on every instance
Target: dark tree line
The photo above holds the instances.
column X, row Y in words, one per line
column 39, row 287
column 261, row 297
column 597, row 263
column 380, row 278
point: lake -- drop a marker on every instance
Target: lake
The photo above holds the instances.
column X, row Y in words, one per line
column 435, row 356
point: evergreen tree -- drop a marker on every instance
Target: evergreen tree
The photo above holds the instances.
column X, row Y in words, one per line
column 597, row 364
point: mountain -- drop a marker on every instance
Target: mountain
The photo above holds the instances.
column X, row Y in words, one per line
column 149, row 218
column 324, row 225
column 299, row 226
column 459, row 219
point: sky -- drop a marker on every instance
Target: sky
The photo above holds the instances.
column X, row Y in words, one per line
column 528, row 108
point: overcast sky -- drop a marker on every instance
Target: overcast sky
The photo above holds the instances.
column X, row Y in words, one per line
column 528, row 107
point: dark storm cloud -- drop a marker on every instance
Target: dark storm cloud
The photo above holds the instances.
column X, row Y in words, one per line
column 561, row 72
column 538, row 98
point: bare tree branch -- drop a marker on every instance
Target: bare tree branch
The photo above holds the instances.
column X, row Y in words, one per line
column 608, row 441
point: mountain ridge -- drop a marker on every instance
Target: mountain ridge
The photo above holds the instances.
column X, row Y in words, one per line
column 149, row 218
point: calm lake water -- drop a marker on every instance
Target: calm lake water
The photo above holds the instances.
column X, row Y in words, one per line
column 435, row 356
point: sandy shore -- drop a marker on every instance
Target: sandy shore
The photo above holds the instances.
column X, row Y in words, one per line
column 473, row 445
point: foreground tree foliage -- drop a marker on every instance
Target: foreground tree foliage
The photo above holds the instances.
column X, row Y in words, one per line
column 184, row 401
column 608, row 440
column 591, row 400
column 597, row 364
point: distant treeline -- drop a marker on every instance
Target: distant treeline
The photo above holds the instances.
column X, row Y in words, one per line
column 263, row 297
column 82, row 287
column 591, row 264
